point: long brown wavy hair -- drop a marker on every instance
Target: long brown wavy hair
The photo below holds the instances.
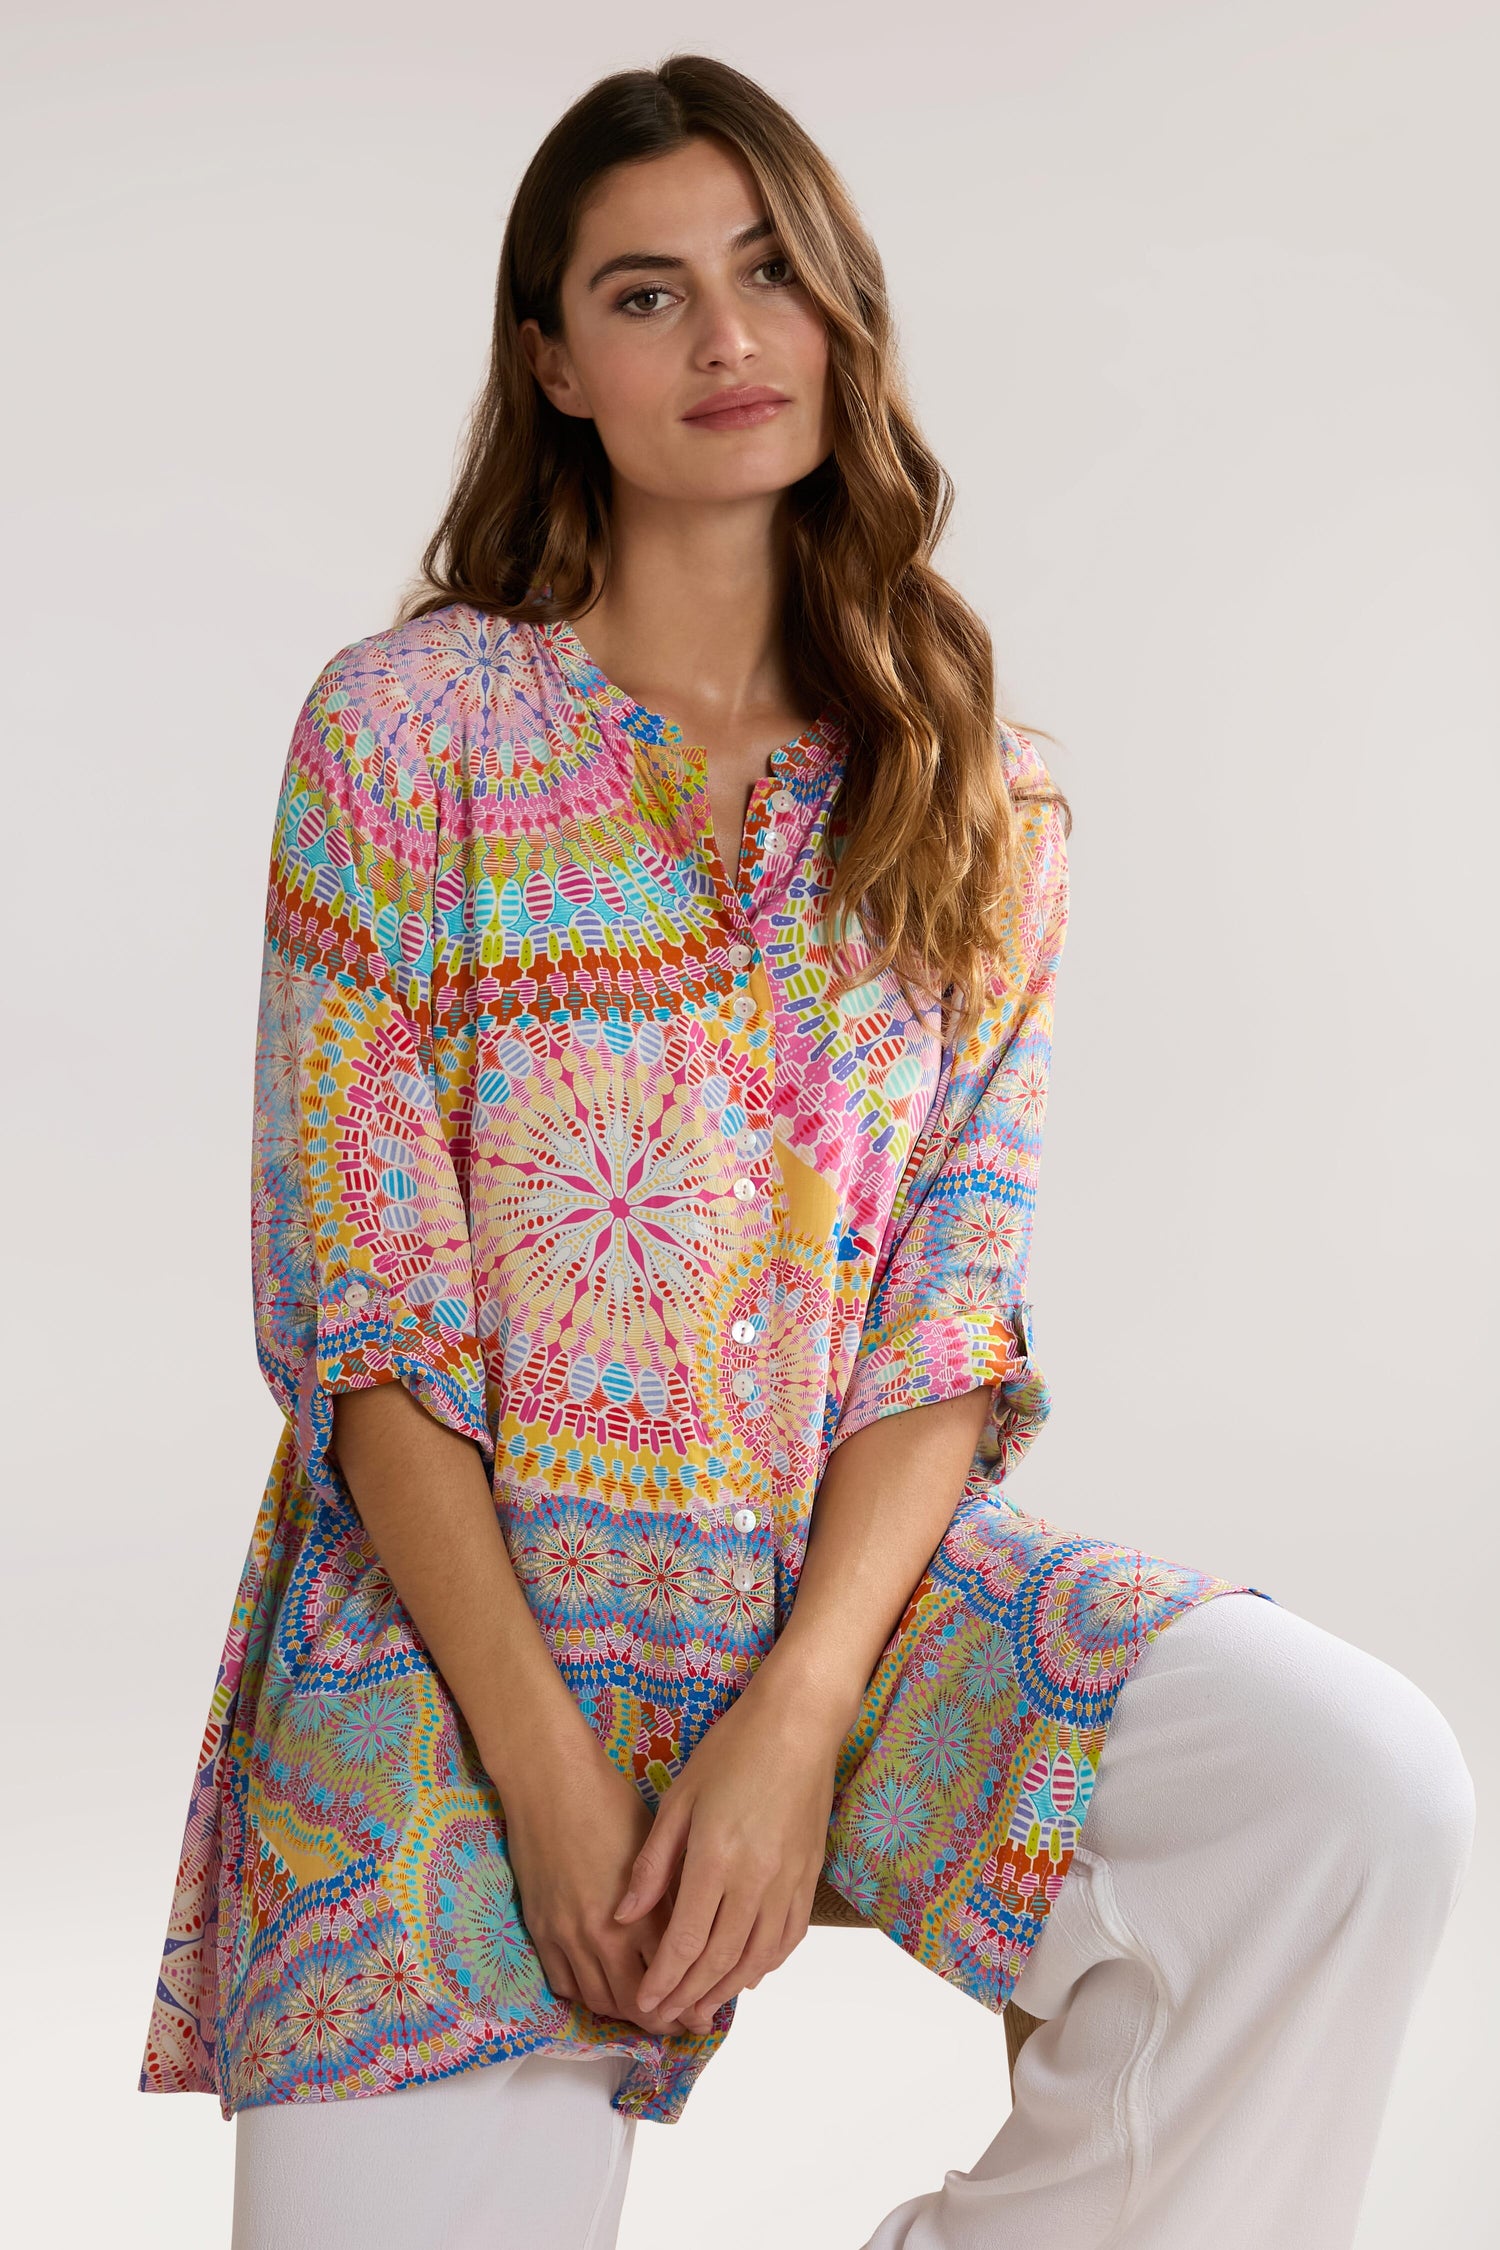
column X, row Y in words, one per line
column 927, row 845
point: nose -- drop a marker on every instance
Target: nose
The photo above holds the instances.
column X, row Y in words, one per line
column 724, row 334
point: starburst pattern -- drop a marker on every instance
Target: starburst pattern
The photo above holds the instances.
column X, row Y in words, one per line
column 485, row 1952
column 941, row 1739
column 393, row 1991
column 564, row 1133
column 894, row 1815
column 322, row 2014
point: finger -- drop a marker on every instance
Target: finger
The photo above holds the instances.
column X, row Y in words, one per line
column 760, row 1953
column 699, row 1891
column 624, row 1965
column 727, row 1939
column 555, row 1969
column 649, row 2018
column 648, row 1936
column 655, row 1863
column 593, row 1983
column 796, row 1926
column 626, row 1976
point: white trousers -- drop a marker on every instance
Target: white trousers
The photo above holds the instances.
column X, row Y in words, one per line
column 1281, row 1826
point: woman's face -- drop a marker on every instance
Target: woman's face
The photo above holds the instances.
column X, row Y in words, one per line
column 678, row 292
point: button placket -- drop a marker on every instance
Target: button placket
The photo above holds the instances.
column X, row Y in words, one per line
column 780, row 805
column 743, row 1574
column 745, row 1384
column 761, row 812
column 729, row 1523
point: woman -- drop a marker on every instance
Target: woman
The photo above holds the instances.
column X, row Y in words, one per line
column 651, row 1066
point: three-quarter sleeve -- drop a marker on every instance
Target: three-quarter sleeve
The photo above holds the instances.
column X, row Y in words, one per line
column 947, row 1311
column 362, row 1271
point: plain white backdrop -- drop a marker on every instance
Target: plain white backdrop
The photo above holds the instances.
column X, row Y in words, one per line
column 1198, row 306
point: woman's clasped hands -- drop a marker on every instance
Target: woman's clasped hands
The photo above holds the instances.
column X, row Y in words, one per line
column 743, row 1830
column 660, row 1920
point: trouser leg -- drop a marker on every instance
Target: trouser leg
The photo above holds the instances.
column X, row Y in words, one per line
column 525, row 2154
column 1280, row 1828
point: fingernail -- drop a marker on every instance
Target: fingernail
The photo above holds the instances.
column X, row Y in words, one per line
column 625, row 1904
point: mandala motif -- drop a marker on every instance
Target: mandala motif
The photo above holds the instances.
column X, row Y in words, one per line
column 892, row 1817
column 380, row 1174
column 483, row 714
column 1023, row 1094
column 760, row 1352
column 569, row 1564
column 1085, row 1617
column 453, row 1882
column 940, row 1742
column 606, row 1216
column 343, row 1624
column 322, row 2018
column 564, row 1131
column 333, row 1773
column 395, row 1994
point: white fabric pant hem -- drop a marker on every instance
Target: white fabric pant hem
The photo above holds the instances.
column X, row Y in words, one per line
column 528, row 2153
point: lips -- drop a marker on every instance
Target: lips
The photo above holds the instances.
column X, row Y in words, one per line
column 725, row 402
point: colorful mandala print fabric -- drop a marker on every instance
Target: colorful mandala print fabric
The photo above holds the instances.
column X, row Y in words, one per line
column 556, row 1123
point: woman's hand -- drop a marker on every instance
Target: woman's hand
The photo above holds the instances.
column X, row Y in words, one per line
column 748, row 1814
column 748, row 1818
column 573, row 1838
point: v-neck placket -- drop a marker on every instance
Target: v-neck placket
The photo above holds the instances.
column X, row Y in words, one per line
column 780, row 811
column 778, row 814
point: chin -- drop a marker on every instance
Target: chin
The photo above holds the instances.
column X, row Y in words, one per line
column 749, row 476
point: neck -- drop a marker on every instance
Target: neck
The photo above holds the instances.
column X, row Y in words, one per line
column 691, row 613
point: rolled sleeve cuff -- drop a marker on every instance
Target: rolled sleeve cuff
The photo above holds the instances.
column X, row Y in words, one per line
column 923, row 1360
column 366, row 1338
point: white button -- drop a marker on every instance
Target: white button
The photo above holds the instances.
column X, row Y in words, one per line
column 743, row 1004
column 744, row 1579
column 781, row 800
column 743, row 1331
column 740, row 956
column 745, row 1519
column 356, row 1295
column 744, row 1189
column 743, row 1383
column 769, row 839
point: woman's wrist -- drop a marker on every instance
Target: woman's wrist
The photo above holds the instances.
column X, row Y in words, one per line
column 543, row 1733
column 814, row 1694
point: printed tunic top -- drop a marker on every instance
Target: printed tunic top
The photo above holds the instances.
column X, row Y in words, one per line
column 559, row 1126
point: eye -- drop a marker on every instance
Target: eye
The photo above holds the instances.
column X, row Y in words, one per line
column 631, row 302
column 646, row 289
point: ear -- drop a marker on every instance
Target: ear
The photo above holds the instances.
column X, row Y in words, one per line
column 548, row 359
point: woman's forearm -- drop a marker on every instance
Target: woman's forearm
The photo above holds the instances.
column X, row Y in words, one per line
column 887, row 1496
column 425, row 1500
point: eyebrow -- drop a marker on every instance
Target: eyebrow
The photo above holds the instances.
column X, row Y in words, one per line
column 658, row 261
